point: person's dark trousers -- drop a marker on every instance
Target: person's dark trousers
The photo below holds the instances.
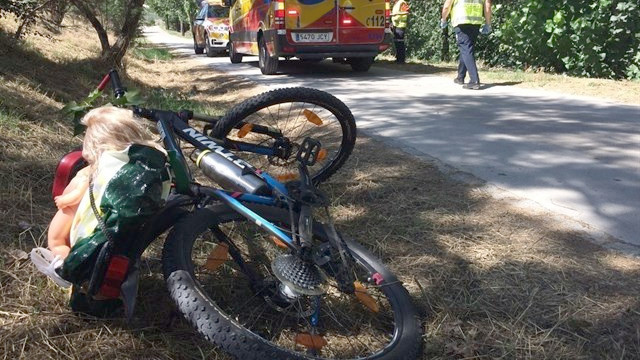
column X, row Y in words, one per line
column 466, row 36
column 401, row 49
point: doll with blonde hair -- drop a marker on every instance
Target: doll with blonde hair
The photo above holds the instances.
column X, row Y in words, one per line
column 127, row 178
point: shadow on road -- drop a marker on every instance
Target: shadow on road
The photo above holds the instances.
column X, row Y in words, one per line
column 504, row 83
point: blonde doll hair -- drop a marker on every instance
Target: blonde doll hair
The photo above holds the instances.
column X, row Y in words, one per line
column 112, row 129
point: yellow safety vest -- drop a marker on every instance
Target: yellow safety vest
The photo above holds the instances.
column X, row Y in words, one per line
column 399, row 20
column 467, row 12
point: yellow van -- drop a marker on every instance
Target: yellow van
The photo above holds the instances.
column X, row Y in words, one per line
column 349, row 31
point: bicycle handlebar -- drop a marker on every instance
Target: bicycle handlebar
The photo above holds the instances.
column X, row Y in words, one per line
column 116, row 84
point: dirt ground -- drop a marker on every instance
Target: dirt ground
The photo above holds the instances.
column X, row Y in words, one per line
column 489, row 280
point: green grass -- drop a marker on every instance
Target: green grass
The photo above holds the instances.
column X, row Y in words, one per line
column 153, row 54
column 170, row 100
column 10, row 119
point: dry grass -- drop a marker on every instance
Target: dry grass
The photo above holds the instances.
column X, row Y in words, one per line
column 490, row 280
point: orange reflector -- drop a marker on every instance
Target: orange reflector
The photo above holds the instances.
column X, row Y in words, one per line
column 278, row 242
column 244, row 130
column 286, row 177
column 364, row 297
column 312, row 117
column 322, row 154
column 218, row 256
column 309, row 341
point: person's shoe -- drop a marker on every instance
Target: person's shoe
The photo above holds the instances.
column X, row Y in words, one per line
column 47, row 263
column 458, row 81
column 472, row 86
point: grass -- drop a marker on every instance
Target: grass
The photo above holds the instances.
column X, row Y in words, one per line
column 490, row 280
column 624, row 91
column 152, row 54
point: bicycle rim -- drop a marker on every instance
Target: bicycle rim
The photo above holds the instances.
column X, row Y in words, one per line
column 349, row 326
column 295, row 113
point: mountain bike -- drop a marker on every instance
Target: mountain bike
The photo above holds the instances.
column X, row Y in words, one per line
column 253, row 270
column 266, row 130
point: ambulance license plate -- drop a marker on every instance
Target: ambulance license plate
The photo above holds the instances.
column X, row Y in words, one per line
column 312, row 37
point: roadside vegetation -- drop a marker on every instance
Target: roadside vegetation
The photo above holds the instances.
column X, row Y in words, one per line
column 575, row 37
column 491, row 280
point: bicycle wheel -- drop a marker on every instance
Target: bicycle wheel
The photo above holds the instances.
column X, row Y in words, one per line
column 292, row 114
column 238, row 303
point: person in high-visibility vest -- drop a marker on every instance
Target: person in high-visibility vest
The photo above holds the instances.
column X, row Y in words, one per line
column 468, row 18
column 399, row 16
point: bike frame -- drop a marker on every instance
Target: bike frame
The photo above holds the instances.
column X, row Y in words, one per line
column 171, row 124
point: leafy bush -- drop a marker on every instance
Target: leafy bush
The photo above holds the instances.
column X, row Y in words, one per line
column 580, row 37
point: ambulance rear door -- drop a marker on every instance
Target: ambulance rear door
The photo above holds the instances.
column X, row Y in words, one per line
column 311, row 22
column 360, row 21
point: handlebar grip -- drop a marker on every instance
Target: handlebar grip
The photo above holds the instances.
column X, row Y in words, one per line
column 116, row 84
column 103, row 82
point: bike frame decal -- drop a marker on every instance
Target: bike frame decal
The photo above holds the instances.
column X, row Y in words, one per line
column 202, row 141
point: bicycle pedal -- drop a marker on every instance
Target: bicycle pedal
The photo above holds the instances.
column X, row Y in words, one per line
column 309, row 151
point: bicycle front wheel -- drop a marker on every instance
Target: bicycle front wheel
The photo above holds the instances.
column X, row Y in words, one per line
column 281, row 119
column 220, row 272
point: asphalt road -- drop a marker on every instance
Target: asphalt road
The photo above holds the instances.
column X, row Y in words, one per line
column 577, row 157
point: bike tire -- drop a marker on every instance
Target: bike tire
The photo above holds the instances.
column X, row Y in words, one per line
column 204, row 310
column 291, row 111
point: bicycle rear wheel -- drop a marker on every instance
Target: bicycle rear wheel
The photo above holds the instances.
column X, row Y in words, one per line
column 291, row 115
column 238, row 303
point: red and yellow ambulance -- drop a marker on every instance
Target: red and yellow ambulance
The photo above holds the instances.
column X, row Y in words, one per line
column 350, row 31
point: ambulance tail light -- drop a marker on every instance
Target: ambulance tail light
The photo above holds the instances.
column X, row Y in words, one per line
column 279, row 14
column 387, row 13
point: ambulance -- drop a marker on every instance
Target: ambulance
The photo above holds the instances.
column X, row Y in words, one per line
column 211, row 28
column 349, row 31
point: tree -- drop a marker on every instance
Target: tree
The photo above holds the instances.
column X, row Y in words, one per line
column 175, row 11
column 28, row 11
column 131, row 13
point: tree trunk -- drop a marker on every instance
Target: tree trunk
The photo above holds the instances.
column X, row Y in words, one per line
column 132, row 17
column 58, row 9
column 181, row 27
column 97, row 25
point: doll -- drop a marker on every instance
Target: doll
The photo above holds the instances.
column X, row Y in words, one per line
column 120, row 153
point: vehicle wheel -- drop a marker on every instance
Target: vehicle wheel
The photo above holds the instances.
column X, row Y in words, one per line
column 292, row 114
column 360, row 64
column 233, row 55
column 268, row 64
column 240, row 304
column 207, row 45
column 198, row 50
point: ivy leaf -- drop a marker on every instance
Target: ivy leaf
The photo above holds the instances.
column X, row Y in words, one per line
column 134, row 98
column 93, row 96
